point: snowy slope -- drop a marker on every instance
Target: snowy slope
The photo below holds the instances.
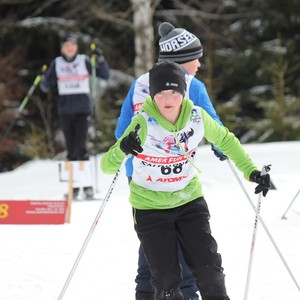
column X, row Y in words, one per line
column 36, row 260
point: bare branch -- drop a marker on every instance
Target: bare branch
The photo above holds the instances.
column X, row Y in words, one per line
column 201, row 14
column 116, row 18
column 15, row 2
column 43, row 7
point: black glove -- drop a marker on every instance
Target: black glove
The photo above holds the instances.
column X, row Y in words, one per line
column 218, row 153
column 264, row 182
column 131, row 144
column 98, row 52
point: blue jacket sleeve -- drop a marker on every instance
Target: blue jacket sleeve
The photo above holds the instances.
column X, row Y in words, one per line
column 127, row 112
column 199, row 95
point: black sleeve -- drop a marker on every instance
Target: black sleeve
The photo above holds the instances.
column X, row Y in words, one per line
column 49, row 80
column 102, row 68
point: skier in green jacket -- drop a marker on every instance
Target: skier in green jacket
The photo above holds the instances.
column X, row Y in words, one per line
column 166, row 195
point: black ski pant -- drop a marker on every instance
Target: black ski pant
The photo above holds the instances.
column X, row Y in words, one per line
column 160, row 232
column 75, row 129
column 188, row 284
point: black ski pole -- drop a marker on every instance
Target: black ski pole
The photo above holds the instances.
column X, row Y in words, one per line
column 92, row 229
column 95, row 111
column 263, row 224
column 24, row 102
column 265, row 170
column 94, row 79
column 284, row 215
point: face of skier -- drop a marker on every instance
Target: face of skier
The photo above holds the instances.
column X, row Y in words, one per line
column 169, row 104
column 192, row 66
column 69, row 49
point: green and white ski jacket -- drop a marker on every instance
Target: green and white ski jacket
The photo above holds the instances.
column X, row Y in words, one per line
column 165, row 173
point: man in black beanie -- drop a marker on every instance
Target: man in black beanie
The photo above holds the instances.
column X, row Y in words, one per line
column 184, row 48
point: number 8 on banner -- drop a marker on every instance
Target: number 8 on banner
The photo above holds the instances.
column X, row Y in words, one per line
column 3, row 211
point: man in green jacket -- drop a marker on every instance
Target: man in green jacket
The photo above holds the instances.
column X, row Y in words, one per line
column 165, row 192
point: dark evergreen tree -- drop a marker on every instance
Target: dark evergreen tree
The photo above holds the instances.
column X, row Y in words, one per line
column 250, row 64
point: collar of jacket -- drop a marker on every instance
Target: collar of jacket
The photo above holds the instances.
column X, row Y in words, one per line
column 151, row 109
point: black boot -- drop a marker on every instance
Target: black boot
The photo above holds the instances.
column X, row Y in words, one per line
column 75, row 193
column 144, row 296
column 171, row 295
column 88, row 192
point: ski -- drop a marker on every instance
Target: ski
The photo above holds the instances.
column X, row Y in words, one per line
column 88, row 199
column 83, row 199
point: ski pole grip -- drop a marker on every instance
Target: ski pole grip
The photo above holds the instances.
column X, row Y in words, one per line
column 44, row 69
column 93, row 56
column 93, row 46
column 265, row 169
column 38, row 77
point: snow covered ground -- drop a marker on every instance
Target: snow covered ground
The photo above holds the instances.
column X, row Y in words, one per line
column 36, row 260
